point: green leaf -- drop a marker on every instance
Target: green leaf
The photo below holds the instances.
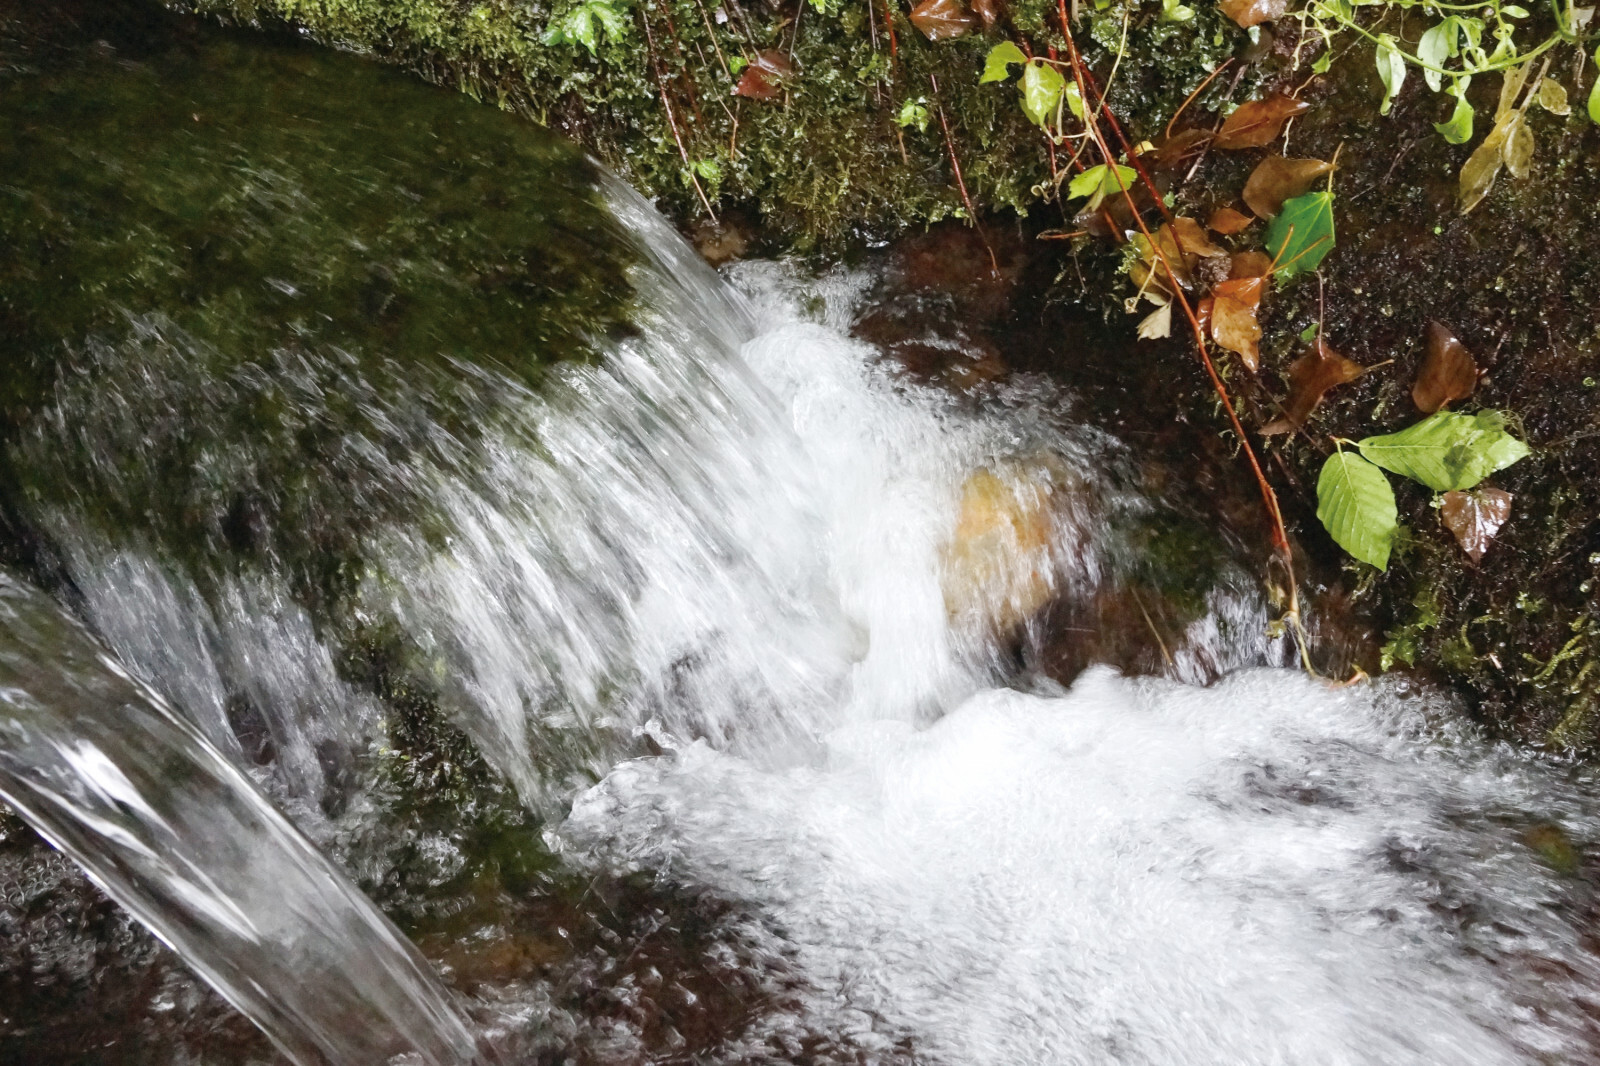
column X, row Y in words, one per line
column 1302, row 234
column 1174, row 11
column 582, row 25
column 1512, row 11
column 1355, row 504
column 914, row 113
column 1449, row 450
column 1075, row 100
column 1002, row 57
column 1042, row 87
column 737, row 64
column 1391, row 69
column 1437, row 45
column 1594, row 93
column 1100, row 181
column 1458, row 128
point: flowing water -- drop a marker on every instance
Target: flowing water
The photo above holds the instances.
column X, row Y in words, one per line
column 401, row 516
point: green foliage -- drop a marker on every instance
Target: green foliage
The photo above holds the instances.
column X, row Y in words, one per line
column 914, row 113
column 1301, row 236
column 1457, row 129
column 582, row 25
column 1100, row 181
column 1001, row 58
column 1391, row 70
column 1594, row 93
column 1356, row 506
column 1468, row 41
column 1449, row 450
column 1042, row 90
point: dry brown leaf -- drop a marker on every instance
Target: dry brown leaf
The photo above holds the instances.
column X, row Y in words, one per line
column 1276, row 179
column 1553, row 97
column 940, row 20
column 1475, row 517
column 764, row 78
column 1518, row 151
column 1258, row 123
column 1157, row 323
column 1448, row 372
column 1250, row 264
column 1249, row 13
column 1227, row 221
column 989, row 11
column 1233, row 318
column 1310, row 378
column 1192, row 236
column 1175, row 151
column 1483, row 166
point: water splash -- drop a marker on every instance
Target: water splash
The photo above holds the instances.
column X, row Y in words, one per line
column 172, row 831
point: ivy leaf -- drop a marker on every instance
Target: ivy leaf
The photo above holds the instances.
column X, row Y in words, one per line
column 1457, row 129
column 1475, row 517
column 1099, row 181
column 1042, row 89
column 1002, row 57
column 1355, row 504
column 1447, row 451
column 1391, row 70
column 1301, row 237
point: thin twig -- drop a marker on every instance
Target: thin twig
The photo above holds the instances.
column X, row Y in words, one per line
column 672, row 121
column 1190, row 98
column 955, row 164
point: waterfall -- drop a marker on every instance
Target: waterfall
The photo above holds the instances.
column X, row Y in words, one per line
column 108, row 773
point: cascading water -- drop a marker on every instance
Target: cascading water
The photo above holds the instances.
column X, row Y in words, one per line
column 745, row 617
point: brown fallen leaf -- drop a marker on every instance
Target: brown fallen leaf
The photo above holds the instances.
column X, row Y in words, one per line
column 1508, row 141
column 1233, row 318
column 1196, row 245
column 1227, row 221
column 1276, row 179
column 765, row 77
column 1249, row 13
column 1250, row 264
column 1175, row 151
column 1475, row 517
column 1447, row 374
column 1258, row 123
column 940, row 20
column 988, row 11
column 1310, row 378
column 1202, row 315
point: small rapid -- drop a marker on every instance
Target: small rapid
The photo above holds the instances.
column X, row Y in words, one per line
column 674, row 667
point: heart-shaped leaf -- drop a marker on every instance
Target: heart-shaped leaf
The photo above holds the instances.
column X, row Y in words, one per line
column 1447, row 451
column 1355, row 504
column 1475, row 517
column 765, row 77
column 1302, row 234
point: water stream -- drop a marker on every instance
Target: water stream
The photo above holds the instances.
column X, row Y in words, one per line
column 406, row 512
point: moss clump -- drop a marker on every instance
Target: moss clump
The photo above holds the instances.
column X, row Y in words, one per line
column 827, row 160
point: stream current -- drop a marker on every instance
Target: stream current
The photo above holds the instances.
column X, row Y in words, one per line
column 700, row 597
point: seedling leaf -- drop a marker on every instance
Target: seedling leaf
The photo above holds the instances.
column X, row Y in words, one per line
column 1391, row 69
column 1042, row 86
